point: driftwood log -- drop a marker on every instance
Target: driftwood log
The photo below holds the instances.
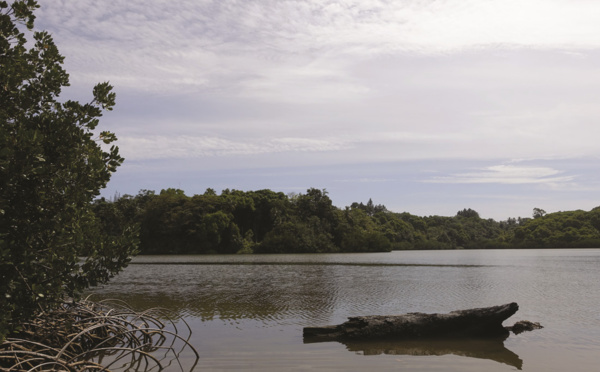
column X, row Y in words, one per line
column 474, row 323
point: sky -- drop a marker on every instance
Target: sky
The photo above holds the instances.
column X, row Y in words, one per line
column 424, row 106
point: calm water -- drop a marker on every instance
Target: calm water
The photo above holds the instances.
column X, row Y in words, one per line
column 247, row 312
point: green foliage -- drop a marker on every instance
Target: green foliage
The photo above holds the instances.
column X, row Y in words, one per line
column 176, row 224
column 264, row 221
column 260, row 221
column 51, row 167
column 370, row 208
column 467, row 213
column 538, row 212
column 297, row 237
column 360, row 232
column 560, row 230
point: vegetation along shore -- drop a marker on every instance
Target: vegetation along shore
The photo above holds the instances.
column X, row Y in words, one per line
column 266, row 221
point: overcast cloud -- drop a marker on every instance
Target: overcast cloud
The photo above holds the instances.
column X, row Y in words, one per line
column 425, row 106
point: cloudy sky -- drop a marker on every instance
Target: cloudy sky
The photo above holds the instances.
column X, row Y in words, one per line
column 425, row 106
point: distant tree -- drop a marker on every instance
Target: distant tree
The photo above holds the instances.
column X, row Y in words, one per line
column 537, row 213
column 595, row 218
column 315, row 203
column 210, row 191
column 52, row 165
column 359, row 232
column 370, row 208
column 174, row 192
column 467, row 213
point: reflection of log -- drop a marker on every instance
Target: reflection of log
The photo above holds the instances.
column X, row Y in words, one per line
column 492, row 349
column 483, row 322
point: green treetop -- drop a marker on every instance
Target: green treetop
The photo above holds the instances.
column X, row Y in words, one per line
column 52, row 164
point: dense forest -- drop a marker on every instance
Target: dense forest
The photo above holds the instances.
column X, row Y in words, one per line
column 265, row 221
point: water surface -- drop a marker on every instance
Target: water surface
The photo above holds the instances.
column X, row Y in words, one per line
column 247, row 312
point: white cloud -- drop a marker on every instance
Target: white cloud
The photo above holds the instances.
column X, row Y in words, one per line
column 344, row 148
column 271, row 45
column 507, row 174
column 364, row 180
column 194, row 147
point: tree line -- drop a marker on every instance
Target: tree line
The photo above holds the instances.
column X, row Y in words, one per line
column 266, row 221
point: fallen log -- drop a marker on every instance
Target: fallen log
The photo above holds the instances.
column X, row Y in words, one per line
column 479, row 323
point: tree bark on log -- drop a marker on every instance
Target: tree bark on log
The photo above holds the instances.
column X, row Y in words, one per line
column 481, row 323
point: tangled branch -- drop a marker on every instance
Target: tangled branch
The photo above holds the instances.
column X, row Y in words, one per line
column 104, row 336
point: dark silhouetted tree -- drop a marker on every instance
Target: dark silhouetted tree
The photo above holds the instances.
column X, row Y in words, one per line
column 52, row 165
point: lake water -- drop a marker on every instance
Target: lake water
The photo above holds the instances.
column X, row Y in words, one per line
column 247, row 312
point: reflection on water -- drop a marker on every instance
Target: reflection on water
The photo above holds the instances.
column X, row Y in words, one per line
column 277, row 293
column 482, row 349
column 299, row 293
column 266, row 300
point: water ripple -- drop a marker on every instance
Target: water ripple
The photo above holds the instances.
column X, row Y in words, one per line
column 281, row 291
